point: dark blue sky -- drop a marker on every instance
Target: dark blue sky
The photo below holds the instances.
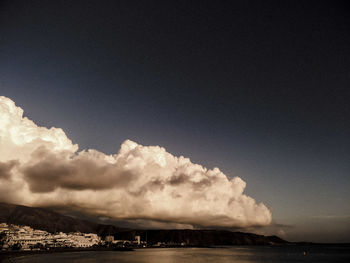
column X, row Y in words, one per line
column 258, row 88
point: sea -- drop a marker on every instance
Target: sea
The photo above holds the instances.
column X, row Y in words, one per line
column 237, row 254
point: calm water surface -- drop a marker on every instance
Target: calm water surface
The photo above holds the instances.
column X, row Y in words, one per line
column 200, row 255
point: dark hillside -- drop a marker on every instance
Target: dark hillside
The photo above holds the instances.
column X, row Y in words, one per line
column 44, row 219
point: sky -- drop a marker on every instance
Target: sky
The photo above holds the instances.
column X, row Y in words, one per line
column 258, row 89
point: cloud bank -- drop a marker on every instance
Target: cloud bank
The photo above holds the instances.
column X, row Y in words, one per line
column 42, row 167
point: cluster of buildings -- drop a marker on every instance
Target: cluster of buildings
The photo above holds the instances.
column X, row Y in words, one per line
column 125, row 243
column 27, row 238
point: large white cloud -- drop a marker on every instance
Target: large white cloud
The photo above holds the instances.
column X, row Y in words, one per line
column 42, row 167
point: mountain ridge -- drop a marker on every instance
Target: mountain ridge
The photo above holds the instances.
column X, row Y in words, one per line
column 45, row 219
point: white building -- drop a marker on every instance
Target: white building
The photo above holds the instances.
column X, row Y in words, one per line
column 109, row 238
column 4, row 227
column 29, row 238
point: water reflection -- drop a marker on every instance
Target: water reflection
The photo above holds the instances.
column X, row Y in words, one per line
column 199, row 255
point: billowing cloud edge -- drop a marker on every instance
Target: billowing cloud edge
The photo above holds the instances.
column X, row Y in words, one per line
column 42, row 167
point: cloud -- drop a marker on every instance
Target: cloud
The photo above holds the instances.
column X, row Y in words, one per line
column 42, row 167
column 5, row 169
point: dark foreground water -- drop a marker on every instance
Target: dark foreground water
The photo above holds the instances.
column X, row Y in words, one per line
column 199, row 255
